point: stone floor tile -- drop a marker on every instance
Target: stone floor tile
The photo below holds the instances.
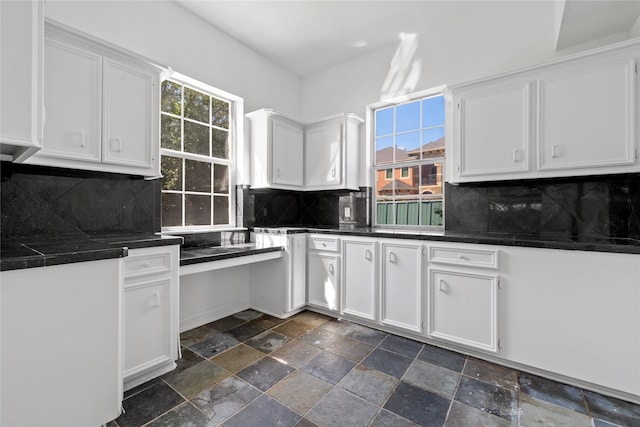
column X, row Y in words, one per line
column 553, row 392
column 390, row 363
column 188, row 359
column 338, row 326
column 596, row 423
column 432, row 378
column 400, row 345
column 311, row 318
column 418, row 405
column 200, row 377
column 248, row 315
column 612, row 410
column 226, row 323
column 340, row 408
column 320, row 338
column 148, row 404
column 464, row 415
column 441, row 357
column 487, row 397
column 267, row 322
column 491, row 373
column 389, row 419
column 144, row 386
column 370, row 384
column 328, row 367
column 214, row 345
column 304, row 423
column 225, row 399
column 185, row 415
column 535, row 412
column 300, row 391
column 350, row 349
column 195, row 335
column 238, row 358
column 245, row 331
column 262, row 412
column 293, row 329
column 267, row 341
column 295, row 353
column 265, row 373
column 366, row 335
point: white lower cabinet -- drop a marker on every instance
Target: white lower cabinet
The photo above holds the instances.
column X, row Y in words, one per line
column 359, row 284
column 401, row 284
column 323, row 273
column 151, row 295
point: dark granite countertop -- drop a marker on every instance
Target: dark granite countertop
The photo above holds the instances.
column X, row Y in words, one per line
column 38, row 251
column 547, row 241
column 199, row 254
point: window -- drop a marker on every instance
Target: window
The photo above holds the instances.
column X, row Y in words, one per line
column 197, row 137
column 409, row 159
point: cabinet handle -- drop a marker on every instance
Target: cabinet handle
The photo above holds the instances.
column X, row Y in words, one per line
column 331, row 269
column 392, row 258
column 333, row 172
column 116, row 144
column 82, row 137
column 462, row 257
column 279, row 173
column 367, row 254
column 554, row 151
column 324, row 245
column 516, row 155
column 442, row 286
column 144, row 265
column 156, row 299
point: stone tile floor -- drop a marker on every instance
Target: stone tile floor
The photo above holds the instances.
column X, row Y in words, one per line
column 251, row 369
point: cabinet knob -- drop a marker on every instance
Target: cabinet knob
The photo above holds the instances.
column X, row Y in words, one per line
column 462, row 257
column 144, row 265
column 116, row 144
column 554, row 151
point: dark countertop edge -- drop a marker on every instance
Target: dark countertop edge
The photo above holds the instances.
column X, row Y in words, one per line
column 227, row 255
column 513, row 240
column 19, row 263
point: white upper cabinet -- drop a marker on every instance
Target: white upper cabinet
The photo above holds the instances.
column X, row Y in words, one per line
column 575, row 116
column 287, row 154
column 21, row 38
column 101, row 105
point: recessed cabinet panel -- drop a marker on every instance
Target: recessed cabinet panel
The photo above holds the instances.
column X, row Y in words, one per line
column 287, row 153
column 297, row 288
column 72, row 100
column 359, row 284
column 495, row 130
column 463, row 309
column 323, row 281
column 587, row 117
column 401, row 285
column 323, row 157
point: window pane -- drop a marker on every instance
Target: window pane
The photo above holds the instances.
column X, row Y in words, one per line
column 170, row 132
column 220, row 179
column 384, row 121
column 196, row 138
column 408, row 147
column 221, row 210
column 384, row 150
column 388, row 174
column 171, row 210
column 197, row 209
column 171, row 168
column 433, row 111
column 197, row 176
column 220, row 146
column 431, row 178
column 408, row 117
column 171, row 97
column 196, row 105
column 219, row 113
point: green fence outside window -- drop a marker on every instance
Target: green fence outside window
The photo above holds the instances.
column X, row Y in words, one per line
column 408, row 213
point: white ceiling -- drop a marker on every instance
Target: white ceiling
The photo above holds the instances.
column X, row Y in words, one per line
column 309, row 36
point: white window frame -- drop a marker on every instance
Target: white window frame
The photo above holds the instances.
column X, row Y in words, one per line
column 236, row 134
column 371, row 152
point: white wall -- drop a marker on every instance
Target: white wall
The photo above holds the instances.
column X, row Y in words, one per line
column 165, row 33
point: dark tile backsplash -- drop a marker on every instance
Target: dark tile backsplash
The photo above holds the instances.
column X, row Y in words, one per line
column 596, row 206
column 37, row 200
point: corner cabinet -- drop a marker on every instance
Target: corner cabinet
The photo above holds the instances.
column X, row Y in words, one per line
column 101, row 107
column 575, row 116
column 151, row 293
column 287, row 154
column 21, row 55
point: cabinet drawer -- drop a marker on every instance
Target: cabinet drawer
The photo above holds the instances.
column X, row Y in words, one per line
column 143, row 265
column 485, row 258
column 329, row 244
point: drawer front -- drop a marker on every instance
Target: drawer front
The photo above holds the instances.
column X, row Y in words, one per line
column 484, row 258
column 327, row 244
column 143, row 265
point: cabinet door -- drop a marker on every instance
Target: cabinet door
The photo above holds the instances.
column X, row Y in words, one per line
column 297, row 272
column 401, row 285
column 463, row 308
column 129, row 115
column 323, row 157
column 323, row 281
column 493, row 131
column 287, row 139
column 72, row 101
column 359, row 279
column 147, row 325
column 587, row 116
